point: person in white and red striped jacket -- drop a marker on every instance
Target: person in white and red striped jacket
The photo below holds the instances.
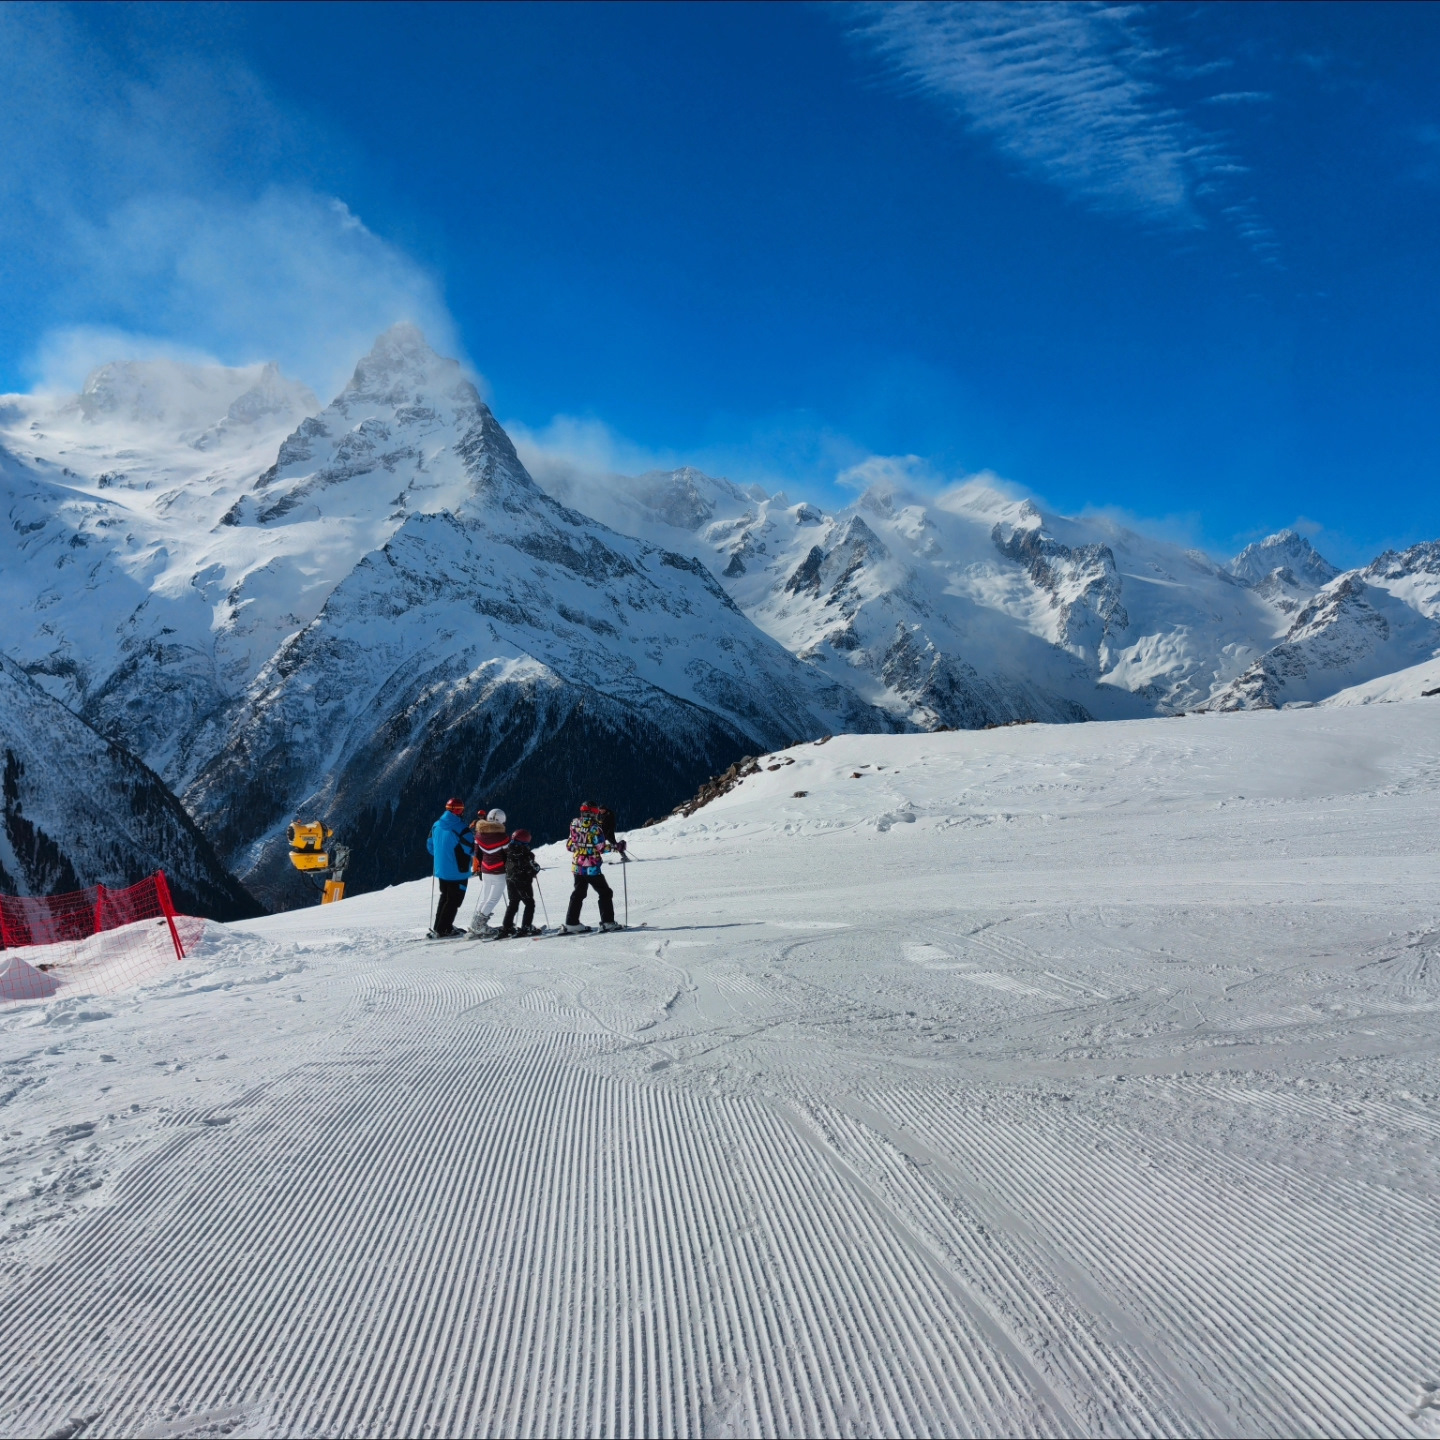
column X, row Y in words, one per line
column 491, row 841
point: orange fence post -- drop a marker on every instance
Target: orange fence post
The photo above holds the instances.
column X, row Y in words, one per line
column 162, row 889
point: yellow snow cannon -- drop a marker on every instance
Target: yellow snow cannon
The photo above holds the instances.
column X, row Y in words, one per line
column 312, row 854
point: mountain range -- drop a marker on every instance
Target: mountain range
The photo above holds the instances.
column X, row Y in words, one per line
column 972, row 607
column 278, row 608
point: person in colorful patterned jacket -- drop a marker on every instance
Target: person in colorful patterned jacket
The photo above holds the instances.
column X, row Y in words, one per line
column 587, row 844
column 490, row 845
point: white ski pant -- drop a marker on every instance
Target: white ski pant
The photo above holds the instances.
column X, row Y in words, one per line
column 492, row 895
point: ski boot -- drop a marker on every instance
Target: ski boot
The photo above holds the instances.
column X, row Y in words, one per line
column 608, row 926
column 577, row 930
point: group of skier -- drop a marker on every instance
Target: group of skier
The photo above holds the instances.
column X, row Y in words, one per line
column 506, row 867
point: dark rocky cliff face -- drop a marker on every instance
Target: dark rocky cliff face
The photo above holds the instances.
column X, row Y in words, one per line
column 534, row 748
column 77, row 809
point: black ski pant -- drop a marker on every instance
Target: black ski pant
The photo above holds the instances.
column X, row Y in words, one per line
column 452, row 892
column 519, row 892
column 604, row 893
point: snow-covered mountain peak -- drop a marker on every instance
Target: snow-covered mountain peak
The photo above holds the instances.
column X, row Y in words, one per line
column 1285, row 550
column 988, row 501
column 402, row 370
column 972, row 606
column 199, row 405
column 688, row 498
column 1413, row 575
column 408, row 434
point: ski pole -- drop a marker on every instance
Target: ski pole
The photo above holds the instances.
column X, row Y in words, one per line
column 625, row 881
column 432, row 900
column 544, row 909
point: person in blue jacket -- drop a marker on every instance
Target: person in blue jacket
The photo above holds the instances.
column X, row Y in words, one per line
column 452, row 845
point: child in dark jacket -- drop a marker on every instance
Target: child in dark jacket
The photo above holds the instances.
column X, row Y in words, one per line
column 520, row 873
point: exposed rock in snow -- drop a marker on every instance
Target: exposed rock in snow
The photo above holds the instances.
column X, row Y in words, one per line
column 78, row 810
column 969, row 608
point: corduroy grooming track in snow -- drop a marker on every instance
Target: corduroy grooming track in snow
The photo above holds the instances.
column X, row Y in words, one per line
column 1052, row 1080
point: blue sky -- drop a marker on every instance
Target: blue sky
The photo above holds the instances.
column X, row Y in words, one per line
column 1178, row 261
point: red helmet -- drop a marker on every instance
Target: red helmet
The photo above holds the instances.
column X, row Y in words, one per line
column 521, row 836
column 457, row 807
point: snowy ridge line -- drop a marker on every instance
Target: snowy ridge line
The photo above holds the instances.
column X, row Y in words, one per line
column 1255, row 1301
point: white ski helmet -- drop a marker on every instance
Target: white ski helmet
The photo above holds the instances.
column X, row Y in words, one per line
column 497, row 815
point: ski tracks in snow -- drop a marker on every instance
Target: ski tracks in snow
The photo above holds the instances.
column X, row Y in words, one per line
column 475, row 1232
column 917, row 1156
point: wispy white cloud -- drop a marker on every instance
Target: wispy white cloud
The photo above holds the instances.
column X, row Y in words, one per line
column 790, row 453
column 891, row 472
column 583, row 446
column 1076, row 93
column 1063, row 88
column 162, row 205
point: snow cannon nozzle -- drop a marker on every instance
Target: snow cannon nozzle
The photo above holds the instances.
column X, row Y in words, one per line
column 312, row 854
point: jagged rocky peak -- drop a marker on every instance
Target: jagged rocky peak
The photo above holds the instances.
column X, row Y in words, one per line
column 409, row 425
column 1285, row 550
column 401, row 369
column 195, row 402
column 1413, row 574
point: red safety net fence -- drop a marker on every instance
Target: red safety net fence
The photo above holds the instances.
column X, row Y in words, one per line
column 97, row 940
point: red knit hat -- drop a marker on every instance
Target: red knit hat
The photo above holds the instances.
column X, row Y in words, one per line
column 521, row 837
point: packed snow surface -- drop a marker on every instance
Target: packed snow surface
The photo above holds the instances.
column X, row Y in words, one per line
column 1056, row 1080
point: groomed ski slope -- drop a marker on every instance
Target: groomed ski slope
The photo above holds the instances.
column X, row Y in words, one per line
column 1048, row 1080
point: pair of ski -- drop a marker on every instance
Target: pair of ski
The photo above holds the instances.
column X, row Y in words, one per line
column 546, row 932
column 550, row 932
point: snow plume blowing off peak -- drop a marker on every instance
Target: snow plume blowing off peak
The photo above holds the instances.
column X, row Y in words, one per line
column 173, row 195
